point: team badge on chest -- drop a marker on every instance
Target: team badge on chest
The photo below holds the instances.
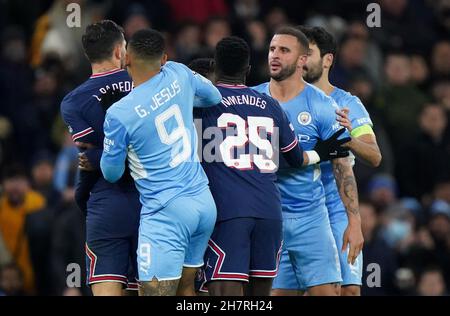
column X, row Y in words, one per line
column 304, row 118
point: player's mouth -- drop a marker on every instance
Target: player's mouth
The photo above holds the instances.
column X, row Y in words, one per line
column 274, row 66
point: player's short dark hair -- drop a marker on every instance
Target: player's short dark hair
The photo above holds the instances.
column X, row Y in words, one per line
column 232, row 56
column 301, row 38
column 100, row 38
column 320, row 37
column 147, row 44
column 203, row 66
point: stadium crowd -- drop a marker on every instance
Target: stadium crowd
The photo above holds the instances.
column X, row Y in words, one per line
column 401, row 72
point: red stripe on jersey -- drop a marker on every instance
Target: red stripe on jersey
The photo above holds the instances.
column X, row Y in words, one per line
column 106, row 73
column 290, row 146
column 83, row 133
column 232, row 86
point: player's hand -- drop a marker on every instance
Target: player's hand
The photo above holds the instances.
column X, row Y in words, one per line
column 110, row 97
column 84, row 163
column 84, row 146
column 353, row 240
column 332, row 147
column 343, row 119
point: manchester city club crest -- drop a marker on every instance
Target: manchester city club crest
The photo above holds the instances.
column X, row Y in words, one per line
column 304, row 118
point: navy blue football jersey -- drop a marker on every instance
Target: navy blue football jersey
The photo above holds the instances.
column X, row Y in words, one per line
column 241, row 139
column 84, row 115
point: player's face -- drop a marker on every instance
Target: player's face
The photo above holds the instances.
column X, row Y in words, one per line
column 284, row 57
column 313, row 69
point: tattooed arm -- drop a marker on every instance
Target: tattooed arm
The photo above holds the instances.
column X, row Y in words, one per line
column 346, row 184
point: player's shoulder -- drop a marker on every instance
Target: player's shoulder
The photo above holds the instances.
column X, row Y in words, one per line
column 262, row 88
column 345, row 98
column 72, row 99
column 319, row 100
column 176, row 67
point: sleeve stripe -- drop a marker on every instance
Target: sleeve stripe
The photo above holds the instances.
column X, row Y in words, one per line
column 290, row 146
column 82, row 133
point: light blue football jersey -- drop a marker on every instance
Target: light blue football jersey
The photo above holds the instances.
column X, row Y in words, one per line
column 312, row 113
column 153, row 127
column 358, row 116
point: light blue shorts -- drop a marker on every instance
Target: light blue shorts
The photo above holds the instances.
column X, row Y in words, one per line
column 310, row 256
column 175, row 236
column 351, row 274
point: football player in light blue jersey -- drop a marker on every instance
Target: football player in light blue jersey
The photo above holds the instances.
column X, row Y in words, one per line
column 364, row 145
column 153, row 127
column 310, row 258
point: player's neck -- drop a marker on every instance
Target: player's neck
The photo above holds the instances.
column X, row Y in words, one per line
column 105, row 66
column 324, row 84
column 287, row 89
column 230, row 80
column 141, row 77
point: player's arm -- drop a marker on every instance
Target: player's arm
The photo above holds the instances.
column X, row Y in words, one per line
column 115, row 146
column 348, row 191
column 294, row 154
column 364, row 143
column 206, row 94
column 82, row 133
column 346, row 184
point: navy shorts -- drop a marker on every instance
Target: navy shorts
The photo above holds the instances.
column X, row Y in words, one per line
column 240, row 248
column 112, row 226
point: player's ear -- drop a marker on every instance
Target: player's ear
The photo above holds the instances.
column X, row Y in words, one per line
column 328, row 60
column 164, row 59
column 301, row 62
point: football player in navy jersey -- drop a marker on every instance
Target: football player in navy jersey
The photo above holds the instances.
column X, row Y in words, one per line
column 249, row 128
column 112, row 210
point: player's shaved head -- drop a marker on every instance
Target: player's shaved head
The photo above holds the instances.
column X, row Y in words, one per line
column 147, row 45
column 292, row 31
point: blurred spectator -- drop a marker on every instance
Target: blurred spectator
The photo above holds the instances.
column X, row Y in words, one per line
column 53, row 35
column 198, row 11
column 373, row 59
column 17, row 203
column 215, row 29
column 350, row 61
column 246, row 9
column 11, row 281
column 135, row 20
column 275, row 18
column 67, row 246
column 5, row 256
column 42, row 178
column 431, row 283
column 440, row 91
column 440, row 58
column 362, row 87
column 399, row 102
column 382, row 191
column 420, row 74
column 404, row 27
column 442, row 14
column 188, row 42
column 425, row 160
column 376, row 251
column 259, row 43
